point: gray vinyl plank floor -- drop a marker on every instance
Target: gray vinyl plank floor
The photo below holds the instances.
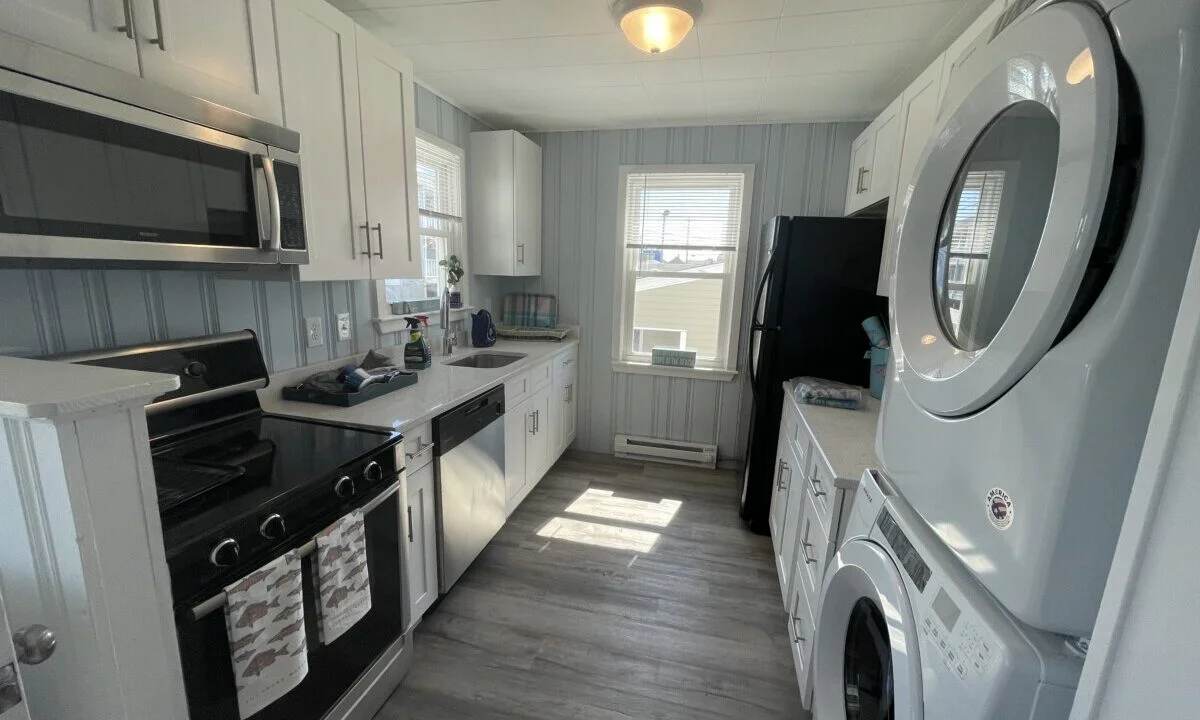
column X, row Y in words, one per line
column 617, row 590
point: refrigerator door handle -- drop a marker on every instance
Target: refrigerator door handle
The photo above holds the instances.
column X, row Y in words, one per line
column 756, row 326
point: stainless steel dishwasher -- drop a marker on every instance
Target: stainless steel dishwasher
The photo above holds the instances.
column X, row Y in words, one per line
column 470, row 482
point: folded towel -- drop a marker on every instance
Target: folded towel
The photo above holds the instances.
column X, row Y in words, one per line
column 816, row 391
column 537, row 311
column 340, row 567
column 264, row 615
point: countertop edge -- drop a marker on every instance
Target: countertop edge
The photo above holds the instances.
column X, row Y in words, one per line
column 48, row 389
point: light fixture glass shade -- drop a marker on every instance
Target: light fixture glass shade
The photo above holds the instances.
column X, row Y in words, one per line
column 656, row 28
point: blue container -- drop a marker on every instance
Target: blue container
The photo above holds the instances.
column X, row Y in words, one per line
column 879, row 370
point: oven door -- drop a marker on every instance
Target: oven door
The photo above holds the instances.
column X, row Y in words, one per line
column 332, row 669
column 89, row 178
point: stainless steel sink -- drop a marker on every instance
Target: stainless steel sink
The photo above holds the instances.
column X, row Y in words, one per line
column 487, row 360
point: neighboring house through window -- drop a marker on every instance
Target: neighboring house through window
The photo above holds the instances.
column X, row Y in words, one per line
column 683, row 246
column 442, row 204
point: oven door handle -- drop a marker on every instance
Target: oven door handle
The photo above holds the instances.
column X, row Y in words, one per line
column 216, row 602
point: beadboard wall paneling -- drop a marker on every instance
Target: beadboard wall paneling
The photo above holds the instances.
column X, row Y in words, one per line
column 57, row 311
column 800, row 170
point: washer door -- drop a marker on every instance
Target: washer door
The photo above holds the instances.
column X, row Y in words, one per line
column 866, row 662
column 1006, row 209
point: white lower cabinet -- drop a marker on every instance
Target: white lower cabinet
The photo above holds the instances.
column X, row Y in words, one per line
column 539, row 423
column 564, row 404
column 422, row 542
column 802, row 631
column 539, row 442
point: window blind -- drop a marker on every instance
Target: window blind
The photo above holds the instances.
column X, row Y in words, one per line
column 697, row 211
column 439, row 181
column 978, row 213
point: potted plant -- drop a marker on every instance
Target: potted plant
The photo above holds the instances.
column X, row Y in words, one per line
column 454, row 275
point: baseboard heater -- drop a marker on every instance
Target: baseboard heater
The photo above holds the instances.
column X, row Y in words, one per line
column 675, row 452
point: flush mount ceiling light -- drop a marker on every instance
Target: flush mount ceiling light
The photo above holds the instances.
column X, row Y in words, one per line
column 656, row 26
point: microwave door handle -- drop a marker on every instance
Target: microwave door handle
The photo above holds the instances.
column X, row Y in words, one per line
column 273, row 239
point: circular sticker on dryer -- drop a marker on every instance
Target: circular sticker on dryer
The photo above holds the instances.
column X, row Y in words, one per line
column 999, row 508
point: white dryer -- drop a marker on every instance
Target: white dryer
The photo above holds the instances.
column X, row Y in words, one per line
column 906, row 633
column 1039, row 270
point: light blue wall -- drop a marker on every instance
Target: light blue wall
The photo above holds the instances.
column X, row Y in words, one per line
column 800, row 170
column 56, row 311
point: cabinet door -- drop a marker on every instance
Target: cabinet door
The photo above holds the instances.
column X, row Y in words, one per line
column 950, row 90
column 861, row 153
column 794, row 483
column 318, row 69
column 96, row 30
column 492, row 190
column 881, row 180
column 527, row 182
column 422, row 539
column 802, row 630
column 562, row 405
column 518, row 425
column 389, row 138
column 220, row 51
column 918, row 115
column 540, row 440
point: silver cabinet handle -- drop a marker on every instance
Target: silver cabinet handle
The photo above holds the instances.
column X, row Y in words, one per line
column 783, row 484
column 410, row 534
column 817, row 485
column 537, row 421
column 367, row 231
column 530, row 427
column 421, row 450
column 34, row 644
column 274, row 237
column 521, row 253
column 859, row 186
column 379, row 229
column 160, row 41
column 127, row 28
column 808, row 560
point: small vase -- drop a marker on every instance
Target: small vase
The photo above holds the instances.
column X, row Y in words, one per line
column 455, row 300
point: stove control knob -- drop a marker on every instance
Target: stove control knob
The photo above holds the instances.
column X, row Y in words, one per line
column 224, row 553
column 195, row 369
column 373, row 472
column 272, row 528
column 344, row 487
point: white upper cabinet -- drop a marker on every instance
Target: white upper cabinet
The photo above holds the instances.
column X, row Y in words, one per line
column 97, row 30
column 389, row 140
column 220, row 51
column 873, row 163
column 506, row 204
column 918, row 113
column 952, row 89
column 351, row 99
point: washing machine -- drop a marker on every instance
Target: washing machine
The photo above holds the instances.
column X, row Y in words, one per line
column 906, row 633
column 1039, row 268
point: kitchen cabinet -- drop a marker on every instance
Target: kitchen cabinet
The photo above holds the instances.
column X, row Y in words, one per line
column 564, row 403
column 529, row 445
column 505, row 180
column 222, row 52
column 789, row 481
column 874, row 155
column 802, row 632
column 538, row 449
column 358, row 171
column 951, row 90
column 918, row 115
column 422, row 542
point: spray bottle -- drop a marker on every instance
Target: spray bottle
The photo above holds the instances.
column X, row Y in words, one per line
column 417, row 355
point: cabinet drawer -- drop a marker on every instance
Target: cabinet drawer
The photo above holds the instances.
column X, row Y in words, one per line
column 812, row 552
column 541, row 375
column 418, row 447
column 802, row 632
column 565, row 369
column 517, row 390
column 822, row 487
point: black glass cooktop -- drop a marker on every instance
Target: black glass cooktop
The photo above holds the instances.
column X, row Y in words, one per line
column 213, row 476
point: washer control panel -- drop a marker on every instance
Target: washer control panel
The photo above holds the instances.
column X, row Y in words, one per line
column 964, row 648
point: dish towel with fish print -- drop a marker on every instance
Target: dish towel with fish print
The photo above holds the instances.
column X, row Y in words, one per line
column 343, row 587
column 264, row 613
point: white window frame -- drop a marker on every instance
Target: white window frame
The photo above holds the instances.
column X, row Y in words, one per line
column 731, row 302
column 385, row 320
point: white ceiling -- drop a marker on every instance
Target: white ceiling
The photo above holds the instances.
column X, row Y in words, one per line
column 564, row 64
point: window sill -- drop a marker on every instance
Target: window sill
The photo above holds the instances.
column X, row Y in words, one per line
column 632, row 368
column 396, row 323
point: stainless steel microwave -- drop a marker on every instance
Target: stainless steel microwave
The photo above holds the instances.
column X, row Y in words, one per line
column 142, row 174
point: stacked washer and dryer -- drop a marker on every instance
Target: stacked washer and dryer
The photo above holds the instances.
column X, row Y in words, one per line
column 1040, row 264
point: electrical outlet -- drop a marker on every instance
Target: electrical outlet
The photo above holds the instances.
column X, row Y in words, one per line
column 314, row 329
column 343, row 326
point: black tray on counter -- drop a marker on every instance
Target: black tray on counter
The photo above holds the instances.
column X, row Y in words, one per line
column 345, row 398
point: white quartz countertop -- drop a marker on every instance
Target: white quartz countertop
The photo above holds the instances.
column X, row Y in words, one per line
column 847, row 437
column 43, row 389
column 438, row 389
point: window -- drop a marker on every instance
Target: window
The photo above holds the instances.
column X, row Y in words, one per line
column 440, row 200
column 683, row 243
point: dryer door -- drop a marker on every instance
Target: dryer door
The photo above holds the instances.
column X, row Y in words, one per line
column 866, row 660
column 1007, row 206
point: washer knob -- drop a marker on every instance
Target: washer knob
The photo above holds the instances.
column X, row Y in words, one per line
column 224, row 553
column 344, row 487
column 272, row 528
column 373, row 472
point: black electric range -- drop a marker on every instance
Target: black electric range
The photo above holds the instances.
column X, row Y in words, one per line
column 238, row 488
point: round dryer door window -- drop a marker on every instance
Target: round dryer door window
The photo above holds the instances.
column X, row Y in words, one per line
column 1008, row 202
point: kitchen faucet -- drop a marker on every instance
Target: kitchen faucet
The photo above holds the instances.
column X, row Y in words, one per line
column 449, row 340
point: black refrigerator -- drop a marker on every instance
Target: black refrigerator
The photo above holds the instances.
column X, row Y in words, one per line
column 818, row 286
